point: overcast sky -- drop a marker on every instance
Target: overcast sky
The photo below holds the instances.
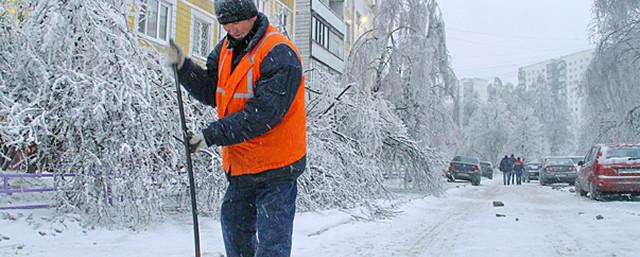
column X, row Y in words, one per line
column 489, row 38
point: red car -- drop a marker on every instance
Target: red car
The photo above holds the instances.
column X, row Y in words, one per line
column 610, row 169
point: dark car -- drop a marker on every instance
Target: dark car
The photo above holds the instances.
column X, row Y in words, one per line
column 532, row 171
column 610, row 169
column 487, row 169
column 558, row 169
column 466, row 168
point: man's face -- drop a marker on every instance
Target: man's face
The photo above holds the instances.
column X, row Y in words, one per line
column 239, row 29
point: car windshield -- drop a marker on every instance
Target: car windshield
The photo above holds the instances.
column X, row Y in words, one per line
column 623, row 152
column 465, row 159
column 533, row 166
column 559, row 161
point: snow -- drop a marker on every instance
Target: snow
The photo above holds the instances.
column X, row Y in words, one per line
column 620, row 160
column 540, row 221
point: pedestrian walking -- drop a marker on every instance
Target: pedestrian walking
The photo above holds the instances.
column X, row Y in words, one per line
column 503, row 169
column 518, row 167
column 512, row 175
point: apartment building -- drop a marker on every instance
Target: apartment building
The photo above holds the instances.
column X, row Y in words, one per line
column 562, row 75
column 326, row 31
column 193, row 25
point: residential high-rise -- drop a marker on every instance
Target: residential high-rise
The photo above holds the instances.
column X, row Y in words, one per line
column 563, row 76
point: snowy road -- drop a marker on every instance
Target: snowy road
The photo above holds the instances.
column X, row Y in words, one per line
column 463, row 222
column 550, row 222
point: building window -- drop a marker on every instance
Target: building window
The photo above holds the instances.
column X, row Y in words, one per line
column 336, row 45
column 201, row 38
column 154, row 19
column 221, row 32
column 283, row 18
column 319, row 32
column 263, row 6
column 350, row 33
column 327, row 38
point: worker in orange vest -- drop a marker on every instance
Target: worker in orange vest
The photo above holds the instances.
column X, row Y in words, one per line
column 254, row 79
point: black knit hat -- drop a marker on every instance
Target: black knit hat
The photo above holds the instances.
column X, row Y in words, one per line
column 228, row 11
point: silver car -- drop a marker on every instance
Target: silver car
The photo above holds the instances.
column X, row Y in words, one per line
column 558, row 169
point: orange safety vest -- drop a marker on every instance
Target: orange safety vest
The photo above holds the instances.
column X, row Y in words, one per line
column 286, row 142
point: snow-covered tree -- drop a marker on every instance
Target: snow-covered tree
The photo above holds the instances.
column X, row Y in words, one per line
column 76, row 83
column 401, row 69
column 612, row 106
column 508, row 123
column 413, row 69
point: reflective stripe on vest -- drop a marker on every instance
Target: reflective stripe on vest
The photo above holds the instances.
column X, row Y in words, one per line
column 249, row 93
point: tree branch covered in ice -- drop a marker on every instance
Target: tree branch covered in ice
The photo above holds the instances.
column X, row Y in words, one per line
column 611, row 83
column 77, row 84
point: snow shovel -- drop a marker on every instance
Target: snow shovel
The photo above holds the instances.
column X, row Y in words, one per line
column 185, row 142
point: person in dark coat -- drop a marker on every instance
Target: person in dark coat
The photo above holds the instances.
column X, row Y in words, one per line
column 254, row 78
column 503, row 169
column 512, row 175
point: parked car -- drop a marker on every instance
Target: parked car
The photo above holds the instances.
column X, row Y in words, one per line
column 532, row 171
column 487, row 169
column 557, row 169
column 610, row 169
column 466, row 168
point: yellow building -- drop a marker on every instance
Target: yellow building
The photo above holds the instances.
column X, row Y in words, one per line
column 192, row 23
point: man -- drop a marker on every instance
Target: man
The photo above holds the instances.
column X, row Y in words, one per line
column 512, row 175
column 505, row 167
column 254, row 79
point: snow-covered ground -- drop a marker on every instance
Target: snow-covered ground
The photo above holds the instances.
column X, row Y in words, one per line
column 540, row 221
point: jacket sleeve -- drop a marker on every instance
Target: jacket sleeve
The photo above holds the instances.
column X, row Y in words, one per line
column 201, row 83
column 280, row 76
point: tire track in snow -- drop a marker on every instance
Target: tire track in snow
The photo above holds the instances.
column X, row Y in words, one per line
column 446, row 232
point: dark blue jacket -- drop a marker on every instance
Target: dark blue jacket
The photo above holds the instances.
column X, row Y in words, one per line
column 280, row 76
column 506, row 165
column 503, row 164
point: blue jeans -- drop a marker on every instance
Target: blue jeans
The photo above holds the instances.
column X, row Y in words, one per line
column 506, row 177
column 519, row 177
column 258, row 210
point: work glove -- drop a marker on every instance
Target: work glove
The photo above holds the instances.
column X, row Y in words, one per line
column 196, row 141
column 175, row 56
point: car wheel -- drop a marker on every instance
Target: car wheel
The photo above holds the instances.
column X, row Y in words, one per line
column 542, row 182
column 578, row 189
column 594, row 194
column 475, row 182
